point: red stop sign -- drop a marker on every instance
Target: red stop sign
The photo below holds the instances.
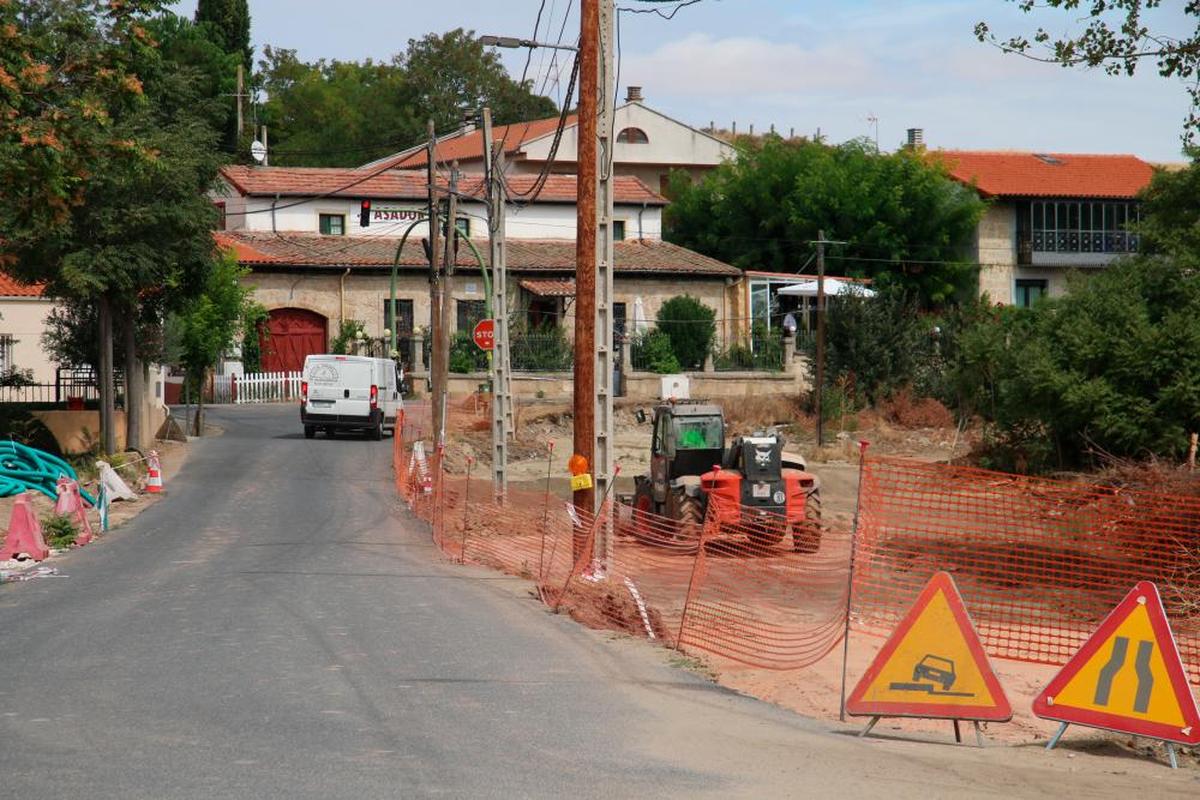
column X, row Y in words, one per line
column 485, row 334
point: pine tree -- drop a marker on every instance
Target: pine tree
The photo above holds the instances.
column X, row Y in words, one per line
column 231, row 22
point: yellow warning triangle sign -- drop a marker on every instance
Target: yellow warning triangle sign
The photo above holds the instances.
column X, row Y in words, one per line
column 1127, row 677
column 933, row 665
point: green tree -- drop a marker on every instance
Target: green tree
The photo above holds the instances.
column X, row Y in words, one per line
column 905, row 221
column 1117, row 36
column 1171, row 211
column 203, row 332
column 689, row 326
column 345, row 113
column 203, row 76
column 103, row 169
column 874, row 345
column 229, row 22
column 1112, row 367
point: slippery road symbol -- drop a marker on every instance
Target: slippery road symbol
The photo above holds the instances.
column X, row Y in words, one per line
column 939, row 671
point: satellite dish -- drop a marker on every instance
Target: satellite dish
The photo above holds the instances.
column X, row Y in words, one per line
column 258, row 151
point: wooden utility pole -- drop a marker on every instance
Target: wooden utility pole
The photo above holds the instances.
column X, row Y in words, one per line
column 820, row 376
column 241, row 92
column 493, row 168
column 585, row 245
column 266, row 148
column 448, row 259
column 435, row 296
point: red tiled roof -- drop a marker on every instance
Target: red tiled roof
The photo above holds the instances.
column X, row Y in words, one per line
column 524, row 256
column 1010, row 174
column 396, row 184
column 10, row 287
column 467, row 146
column 550, row 288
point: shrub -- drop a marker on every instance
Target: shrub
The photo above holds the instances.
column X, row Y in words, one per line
column 348, row 334
column 655, row 354
column 465, row 356
column 254, row 329
column 1111, row 368
column 544, row 349
column 689, row 325
column 875, row 343
column 60, row 532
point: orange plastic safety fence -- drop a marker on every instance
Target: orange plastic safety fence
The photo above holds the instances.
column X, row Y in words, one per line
column 767, row 591
column 1039, row 562
column 764, row 592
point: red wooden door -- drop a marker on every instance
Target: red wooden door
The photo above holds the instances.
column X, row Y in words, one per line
column 293, row 334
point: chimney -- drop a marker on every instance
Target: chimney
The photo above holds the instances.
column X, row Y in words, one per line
column 633, row 94
column 916, row 138
column 468, row 122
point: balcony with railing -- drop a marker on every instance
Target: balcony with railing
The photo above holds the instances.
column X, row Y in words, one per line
column 1075, row 233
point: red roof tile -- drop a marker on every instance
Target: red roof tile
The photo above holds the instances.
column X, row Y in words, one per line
column 10, row 287
column 396, row 184
column 550, row 288
column 467, row 146
column 1010, row 174
column 524, row 256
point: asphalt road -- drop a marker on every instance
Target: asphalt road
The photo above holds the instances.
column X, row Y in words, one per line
column 279, row 627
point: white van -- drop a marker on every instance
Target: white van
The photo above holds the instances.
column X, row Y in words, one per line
column 339, row 393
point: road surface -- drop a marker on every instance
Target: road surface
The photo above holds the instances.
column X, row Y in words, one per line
column 279, row 627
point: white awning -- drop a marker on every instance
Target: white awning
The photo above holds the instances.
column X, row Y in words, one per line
column 833, row 288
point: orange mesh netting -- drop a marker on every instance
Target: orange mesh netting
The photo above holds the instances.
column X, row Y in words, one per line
column 757, row 593
column 1039, row 562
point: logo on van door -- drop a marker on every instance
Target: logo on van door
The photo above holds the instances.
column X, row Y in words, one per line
column 324, row 373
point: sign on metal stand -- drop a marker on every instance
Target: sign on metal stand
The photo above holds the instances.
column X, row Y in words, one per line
column 932, row 666
column 1127, row 677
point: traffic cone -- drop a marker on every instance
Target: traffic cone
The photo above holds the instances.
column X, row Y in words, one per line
column 70, row 503
column 154, row 482
column 24, row 533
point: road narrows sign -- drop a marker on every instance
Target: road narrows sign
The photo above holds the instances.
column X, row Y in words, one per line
column 933, row 665
column 1127, row 677
column 485, row 334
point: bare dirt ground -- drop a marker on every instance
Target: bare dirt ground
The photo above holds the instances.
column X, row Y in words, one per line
column 538, row 462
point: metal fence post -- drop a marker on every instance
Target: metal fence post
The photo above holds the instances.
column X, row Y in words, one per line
column 862, row 460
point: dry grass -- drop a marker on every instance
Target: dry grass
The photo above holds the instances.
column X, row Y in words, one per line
column 914, row 412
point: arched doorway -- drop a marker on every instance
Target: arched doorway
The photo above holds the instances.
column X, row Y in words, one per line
column 293, row 334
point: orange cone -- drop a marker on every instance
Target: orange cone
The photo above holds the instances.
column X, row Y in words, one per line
column 154, row 482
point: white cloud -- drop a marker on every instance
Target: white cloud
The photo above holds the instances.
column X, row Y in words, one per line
column 737, row 67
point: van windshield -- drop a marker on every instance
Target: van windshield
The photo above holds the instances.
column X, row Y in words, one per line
column 698, row 433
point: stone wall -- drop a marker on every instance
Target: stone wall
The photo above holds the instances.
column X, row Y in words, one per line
column 996, row 250
column 362, row 296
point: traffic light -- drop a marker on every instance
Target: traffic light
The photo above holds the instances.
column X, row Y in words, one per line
column 364, row 214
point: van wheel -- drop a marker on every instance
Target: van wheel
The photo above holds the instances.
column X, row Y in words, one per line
column 377, row 432
column 309, row 431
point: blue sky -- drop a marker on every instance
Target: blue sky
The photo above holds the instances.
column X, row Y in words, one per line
column 825, row 64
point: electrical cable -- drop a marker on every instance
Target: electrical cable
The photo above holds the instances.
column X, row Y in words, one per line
column 679, row 5
column 310, row 198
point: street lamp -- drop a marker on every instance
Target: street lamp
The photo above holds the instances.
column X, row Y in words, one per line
column 513, row 42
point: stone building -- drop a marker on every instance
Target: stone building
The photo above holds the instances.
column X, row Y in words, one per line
column 1048, row 214
column 648, row 145
column 314, row 266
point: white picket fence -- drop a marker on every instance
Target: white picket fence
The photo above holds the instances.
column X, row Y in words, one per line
column 257, row 387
